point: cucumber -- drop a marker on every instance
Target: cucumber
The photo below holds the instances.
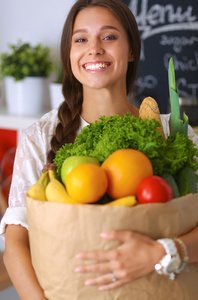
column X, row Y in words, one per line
column 187, row 182
column 170, row 179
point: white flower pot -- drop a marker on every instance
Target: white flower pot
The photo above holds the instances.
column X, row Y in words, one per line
column 24, row 97
column 56, row 96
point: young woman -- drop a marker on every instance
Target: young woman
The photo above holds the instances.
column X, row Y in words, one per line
column 100, row 51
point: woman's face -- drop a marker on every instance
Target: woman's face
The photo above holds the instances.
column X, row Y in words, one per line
column 99, row 49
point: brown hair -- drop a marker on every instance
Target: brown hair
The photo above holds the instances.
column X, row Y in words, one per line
column 70, row 110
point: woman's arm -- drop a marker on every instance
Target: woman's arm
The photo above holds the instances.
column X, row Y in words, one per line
column 191, row 241
column 18, row 264
column 135, row 256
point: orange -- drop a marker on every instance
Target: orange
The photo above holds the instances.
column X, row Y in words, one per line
column 125, row 169
column 86, row 183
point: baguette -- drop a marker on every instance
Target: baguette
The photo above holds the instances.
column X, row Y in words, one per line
column 149, row 110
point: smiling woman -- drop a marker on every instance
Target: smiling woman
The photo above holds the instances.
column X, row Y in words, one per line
column 99, row 48
column 102, row 32
column 100, row 51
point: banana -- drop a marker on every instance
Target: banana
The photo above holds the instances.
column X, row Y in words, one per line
column 125, row 201
column 56, row 192
column 37, row 190
column 46, row 180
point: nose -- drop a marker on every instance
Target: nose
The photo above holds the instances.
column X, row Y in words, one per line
column 95, row 48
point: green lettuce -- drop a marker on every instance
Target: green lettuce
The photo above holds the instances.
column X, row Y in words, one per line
column 103, row 137
column 180, row 151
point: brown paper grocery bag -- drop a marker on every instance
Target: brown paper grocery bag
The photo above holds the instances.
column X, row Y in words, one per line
column 58, row 231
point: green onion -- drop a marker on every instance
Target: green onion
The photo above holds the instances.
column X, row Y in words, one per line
column 175, row 123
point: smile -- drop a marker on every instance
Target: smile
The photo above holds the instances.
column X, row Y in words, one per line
column 96, row 66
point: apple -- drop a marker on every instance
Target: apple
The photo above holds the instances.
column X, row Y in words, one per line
column 72, row 162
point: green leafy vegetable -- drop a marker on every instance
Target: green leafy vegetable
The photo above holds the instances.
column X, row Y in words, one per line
column 176, row 124
column 103, row 137
column 180, row 151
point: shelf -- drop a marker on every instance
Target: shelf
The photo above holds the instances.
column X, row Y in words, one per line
column 13, row 122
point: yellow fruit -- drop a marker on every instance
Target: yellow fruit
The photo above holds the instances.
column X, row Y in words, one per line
column 37, row 190
column 56, row 192
column 125, row 169
column 86, row 183
column 125, row 201
column 46, row 181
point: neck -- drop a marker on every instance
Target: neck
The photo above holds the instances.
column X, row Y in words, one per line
column 97, row 103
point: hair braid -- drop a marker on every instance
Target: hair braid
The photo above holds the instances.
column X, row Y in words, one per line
column 66, row 129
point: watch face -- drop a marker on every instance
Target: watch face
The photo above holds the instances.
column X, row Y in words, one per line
column 173, row 265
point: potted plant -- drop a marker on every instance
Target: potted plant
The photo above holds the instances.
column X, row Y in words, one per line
column 24, row 69
column 55, row 89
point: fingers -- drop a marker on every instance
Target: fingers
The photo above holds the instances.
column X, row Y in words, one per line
column 104, row 255
column 119, row 235
column 104, row 268
column 111, row 286
column 101, row 255
column 118, row 259
column 106, row 282
column 94, row 268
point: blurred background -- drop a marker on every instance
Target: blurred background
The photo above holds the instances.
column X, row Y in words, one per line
column 167, row 28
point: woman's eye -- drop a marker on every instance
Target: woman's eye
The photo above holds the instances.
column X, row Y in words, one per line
column 80, row 40
column 110, row 37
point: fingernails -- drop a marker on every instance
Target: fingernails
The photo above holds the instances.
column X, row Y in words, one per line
column 78, row 270
column 102, row 288
column 104, row 234
column 79, row 255
column 88, row 282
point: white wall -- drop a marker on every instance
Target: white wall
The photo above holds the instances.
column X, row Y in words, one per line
column 34, row 21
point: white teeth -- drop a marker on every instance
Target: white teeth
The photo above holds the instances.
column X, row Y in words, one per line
column 95, row 66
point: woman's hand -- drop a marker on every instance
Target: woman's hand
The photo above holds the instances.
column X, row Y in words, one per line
column 135, row 256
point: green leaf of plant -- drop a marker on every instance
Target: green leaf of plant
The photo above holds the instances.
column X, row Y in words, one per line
column 175, row 123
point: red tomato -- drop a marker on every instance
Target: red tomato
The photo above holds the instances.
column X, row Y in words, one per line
column 154, row 189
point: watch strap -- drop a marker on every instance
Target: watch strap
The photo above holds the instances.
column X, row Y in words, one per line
column 171, row 254
column 169, row 246
column 183, row 254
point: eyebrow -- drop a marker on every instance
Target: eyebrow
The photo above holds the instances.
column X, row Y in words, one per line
column 102, row 28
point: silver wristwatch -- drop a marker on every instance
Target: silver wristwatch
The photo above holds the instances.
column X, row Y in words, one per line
column 171, row 262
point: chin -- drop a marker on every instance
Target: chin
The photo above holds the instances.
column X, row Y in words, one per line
column 95, row 86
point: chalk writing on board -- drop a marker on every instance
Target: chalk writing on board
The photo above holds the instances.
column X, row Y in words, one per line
column 178, row 43
column 165, row 18
column 167, row 29
column 184, row 63
column 184, row 88
column 147, row 82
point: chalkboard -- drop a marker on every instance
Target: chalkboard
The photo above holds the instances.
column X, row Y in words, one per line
column 167, row 29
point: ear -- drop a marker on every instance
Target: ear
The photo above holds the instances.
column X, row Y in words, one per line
column 131, row 56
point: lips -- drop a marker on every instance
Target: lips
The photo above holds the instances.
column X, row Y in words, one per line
column 96, row 66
